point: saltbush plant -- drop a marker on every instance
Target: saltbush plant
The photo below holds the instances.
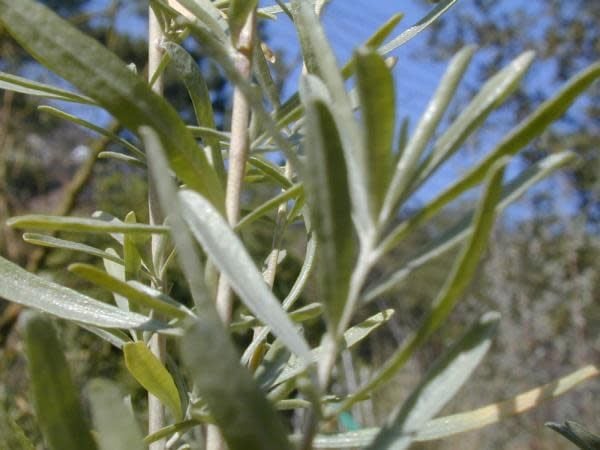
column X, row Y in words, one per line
column 345, row 179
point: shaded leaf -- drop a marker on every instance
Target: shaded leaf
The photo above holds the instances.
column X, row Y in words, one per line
column 12, row 436
column 330, row 206
column 55, row 398
column 80, row 225
column 29, row 87
column 100, row 74
column 245, row 417
column 577, row 434
column 115, row 426
column 53, row 242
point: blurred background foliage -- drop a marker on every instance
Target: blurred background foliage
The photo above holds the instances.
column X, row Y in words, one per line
column 541, row 271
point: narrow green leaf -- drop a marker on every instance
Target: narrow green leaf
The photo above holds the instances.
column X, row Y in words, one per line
column 246, row 419
column 101, row 75
column 262, row 72
column 123, row 158
column 55, row 397
column 114, row 337
column 438, row 386
column 52, row 242
column 421, row 25
column 152, row 375
column 443, row 427
column 450, row 239
column 308, row 312
column 229, row 254
column 455, row 284
column 517, row 139
column 271, row 170
column 377, row 100
column 12, row 436
column 187, row 69
column 577, row 434
column 29, row 87
column 135, row 292
column 414, row 148
column 131, row 254
column 115, row 426
column 320, row 60
column 352, row 337
column 447, row 426
column 292, row 193
column 84, row 123
column 20, row 286
column 490, row 97
column 80, row 225
column 330, row 205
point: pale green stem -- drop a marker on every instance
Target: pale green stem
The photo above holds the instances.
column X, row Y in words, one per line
column 238, row 155
column 157, row 344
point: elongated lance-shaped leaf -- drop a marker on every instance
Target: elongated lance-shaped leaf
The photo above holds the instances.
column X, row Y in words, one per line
column 12, row 436
column 439, row 385
column 19, row 286
column 84, row 123
column 421, row 25
column 22, row 85
column 102, row 76
column 481, row 417
column 210, row 228
column 189, row 72
column 239, row 408
column 147, row 369
column 516, row 140
column 320, row 61
column 412, row 152
column 352, row 336
column 452, row 238
column 115, row 426
column 132, row 251
column 455, row 284
column 294, row 192
column 577, row 434
column 135, row 292
column 327, row 188
column 491, row 95
column 55, row 398
column 53, row 242
column 81, row 225
column 231, row 257
column 377, row 101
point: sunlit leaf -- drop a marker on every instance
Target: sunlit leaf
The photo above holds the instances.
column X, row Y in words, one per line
column 439, row 385
column 80, row 225
column 147, row 369
column 24, row 86
column 20, row 286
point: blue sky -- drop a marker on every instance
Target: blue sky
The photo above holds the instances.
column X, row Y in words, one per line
column 348, row 24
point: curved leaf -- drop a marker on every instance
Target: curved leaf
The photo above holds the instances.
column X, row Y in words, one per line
column 55, row 398
column 100, row 74
column 81, row 225
column 152, row 375
column 456, row 282
column 135, row 292
column 377, row 100
column 53, row 242
column 29, row 87
column 330, row 206
column 439, row 385
column 577, row 434
column 20, row 286
column 229, row 254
